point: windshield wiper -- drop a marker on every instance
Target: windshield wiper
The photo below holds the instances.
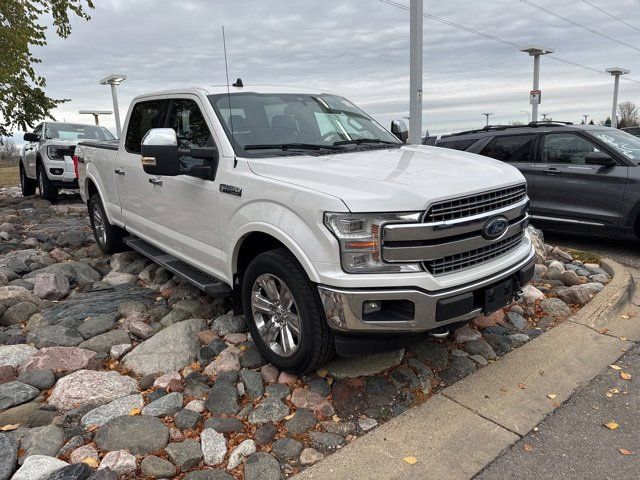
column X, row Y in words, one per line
column 291, row 146
column 359, row 141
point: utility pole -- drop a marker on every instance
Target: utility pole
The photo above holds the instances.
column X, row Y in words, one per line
column 487, row 115
column 415, row 71
column 535, row 97
column 616, row 72
column 95, row 113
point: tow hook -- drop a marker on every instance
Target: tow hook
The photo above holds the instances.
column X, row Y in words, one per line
column 518, row 294
column 442, row 332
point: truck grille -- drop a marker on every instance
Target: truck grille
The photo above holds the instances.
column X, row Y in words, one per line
column 459, row 261
column 475, row 204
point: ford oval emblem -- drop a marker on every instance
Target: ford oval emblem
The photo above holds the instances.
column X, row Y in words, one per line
column 495, row 227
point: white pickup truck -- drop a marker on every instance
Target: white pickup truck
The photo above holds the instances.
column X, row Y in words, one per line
column 328, row 232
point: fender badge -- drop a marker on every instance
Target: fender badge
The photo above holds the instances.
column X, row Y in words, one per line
column 230, row 189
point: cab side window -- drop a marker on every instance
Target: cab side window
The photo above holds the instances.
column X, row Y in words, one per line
column 144, row 117
column 566, row 148
column 510, row 148
column 192, row 131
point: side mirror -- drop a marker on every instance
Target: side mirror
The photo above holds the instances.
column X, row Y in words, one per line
column 160, row 152
column 201, row 171
column 599, row 158
column 31, row 137
column 400, row 130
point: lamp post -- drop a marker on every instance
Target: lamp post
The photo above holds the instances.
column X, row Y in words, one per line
column 585, row 118
column 536, row 95
column 487, row 115
column 616, row 72
column 95, row 113
column 528, row 115
column 114, row 80
column 415, row 71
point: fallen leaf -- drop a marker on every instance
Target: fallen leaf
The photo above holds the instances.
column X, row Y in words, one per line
column 624, row 451
column 535, row 429
column 289, row 417
column 336, row 418
column 624, row 339
column 528, row 447
column 625, row 376
column 625, row 316
column 92, row 462
column 322, row 373
column 135, row 411
column 330, row 380
column 243, row 347
column 611, row 425
column 551, row 395
column 609, row 394
column 615, row 367
column 614, row 391
column 8, row 428
column 522, row 386
column 91, row 428
column 410, row 460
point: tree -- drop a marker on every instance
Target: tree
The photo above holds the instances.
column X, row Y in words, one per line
column 607, row 122
column 23, row 101
column 8, row 150
column 516, row 123
column 628, row 115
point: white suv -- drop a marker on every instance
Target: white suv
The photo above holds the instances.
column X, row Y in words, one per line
column 326, row 230
column 46, row 161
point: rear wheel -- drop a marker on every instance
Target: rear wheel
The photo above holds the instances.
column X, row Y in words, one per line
column 108, row 237
column 27, row 184
column 47, row 190
column 284, row 313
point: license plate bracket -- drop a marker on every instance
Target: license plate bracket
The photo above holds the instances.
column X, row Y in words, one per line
column 498, row 296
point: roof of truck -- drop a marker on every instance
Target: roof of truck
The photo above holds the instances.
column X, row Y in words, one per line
column 222, row 89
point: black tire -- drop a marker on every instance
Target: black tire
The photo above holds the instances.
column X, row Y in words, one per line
column 27, row 184
column 108, row 237
column 47, row 190
column 315, row 341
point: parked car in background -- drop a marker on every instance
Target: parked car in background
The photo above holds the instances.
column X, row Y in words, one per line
column 46, row 161
column 327, row 231
column 635, row 131
column 579, row 177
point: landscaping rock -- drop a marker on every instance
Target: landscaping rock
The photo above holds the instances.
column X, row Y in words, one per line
column 252, row 381
column 42, row 441
column 226, row 324
column 310, row 456
column 81, row 471
column 303, row 398
column 38, row 467
column 9, row 448
column 576, row 295
column 242, row 451
column 301, row 421
column 224, row 424
column 227, row 361
column 59, row 359
column 325, row 442
column 517, row 321
column 104, row 342
column 214, row 446
column 156, row 467
column 262, row 466
column 265, row 434
column 18, row 313
column 555, row 307
column 83, row 453
column 460, row 367
column 167, row 351
column 270, row 410
column 118, row 407
column 15, row 355
column 168, row 405
column 480, row 347
column 140, row 434
column 364, row 365
column 208, row 475
column 16, row 393
column 51, row 286
column 222, row 399
column 87, row 387
column 185, row 455
column 54, row 336
column 120, row 462
column 287, row 449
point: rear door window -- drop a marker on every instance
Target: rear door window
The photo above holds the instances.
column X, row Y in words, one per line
column 510, row 148
column 144, row 117
column 457, row 144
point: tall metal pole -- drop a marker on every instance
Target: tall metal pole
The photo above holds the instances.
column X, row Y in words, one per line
column 116, row 111
column 415, row 76
column 614, row 108
column 536, row 85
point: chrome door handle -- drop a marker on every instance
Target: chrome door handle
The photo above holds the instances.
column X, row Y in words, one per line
column 119, row 171
column 155, row 181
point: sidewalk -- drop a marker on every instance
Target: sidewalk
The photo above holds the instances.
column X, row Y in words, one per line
column 573, row 443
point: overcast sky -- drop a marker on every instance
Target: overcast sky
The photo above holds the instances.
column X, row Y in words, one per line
column 356, row 48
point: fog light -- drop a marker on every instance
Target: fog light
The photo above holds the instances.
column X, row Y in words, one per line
column 371, row 306
column 56, row 171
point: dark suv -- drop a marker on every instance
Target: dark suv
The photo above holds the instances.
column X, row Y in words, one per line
column 580, row 177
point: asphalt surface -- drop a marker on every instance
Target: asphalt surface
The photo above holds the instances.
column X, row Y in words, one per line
column 573, row 443
column 625, row 251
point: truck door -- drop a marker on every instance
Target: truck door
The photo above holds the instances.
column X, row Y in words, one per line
column 138, row 197
column 30, row 152
column 187, row 214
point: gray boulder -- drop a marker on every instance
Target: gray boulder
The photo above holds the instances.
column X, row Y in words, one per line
column 141, row 434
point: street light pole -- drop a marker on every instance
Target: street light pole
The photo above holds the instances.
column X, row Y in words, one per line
column 535, row 99
column 114, row 80
column 528, row 115
column 95, row 113
column 616, row 72
column 415, row 73
column 487, row 115
column 585, row 118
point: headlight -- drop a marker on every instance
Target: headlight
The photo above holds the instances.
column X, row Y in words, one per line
column 360, row 242
column 52, row 152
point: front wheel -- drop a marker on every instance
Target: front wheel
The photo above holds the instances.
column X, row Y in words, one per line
column 108, row 237
column 27, row 185
column 47, row 190
column 284, row 313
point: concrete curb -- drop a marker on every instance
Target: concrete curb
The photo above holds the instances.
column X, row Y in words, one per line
column 458, row 432
column 610, row 300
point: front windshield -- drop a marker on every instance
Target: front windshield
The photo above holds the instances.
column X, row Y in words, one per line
column 76, row 131
column 292, row 123
column 623, row 142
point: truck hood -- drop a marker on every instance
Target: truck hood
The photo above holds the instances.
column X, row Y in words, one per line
column 391, row 180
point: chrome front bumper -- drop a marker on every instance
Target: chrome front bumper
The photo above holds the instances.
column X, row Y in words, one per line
column 343, row 307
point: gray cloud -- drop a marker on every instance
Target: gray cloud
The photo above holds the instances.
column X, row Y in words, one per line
column 357, row 48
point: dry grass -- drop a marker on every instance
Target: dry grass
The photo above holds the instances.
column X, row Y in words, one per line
column 9, row 177
column 584, row 256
